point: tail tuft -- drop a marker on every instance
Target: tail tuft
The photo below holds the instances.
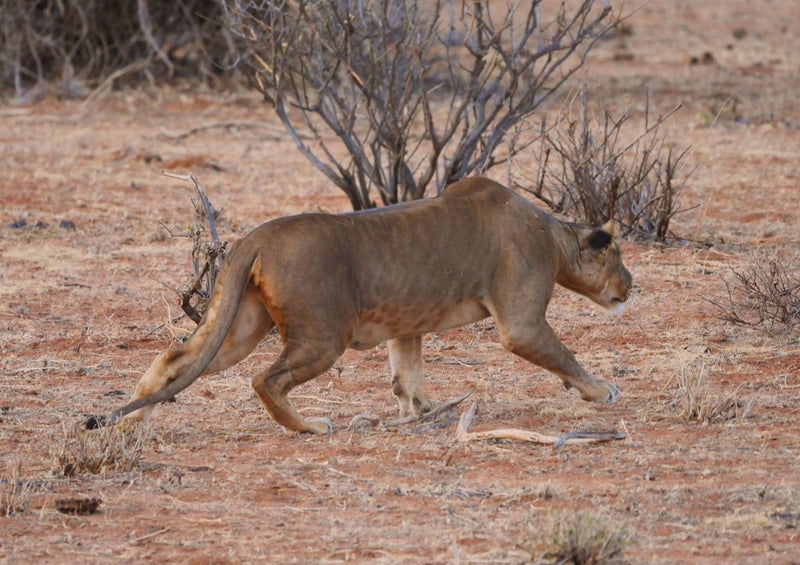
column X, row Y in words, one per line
column 96, row 422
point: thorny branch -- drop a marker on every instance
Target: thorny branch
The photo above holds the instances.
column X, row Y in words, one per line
column 586, row 170
column 212, row 253
column 764, row 293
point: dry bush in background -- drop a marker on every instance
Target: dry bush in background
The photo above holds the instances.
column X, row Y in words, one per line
column 764, row 293
column 71, row 45
column 590, row 168
column 418, row 95
column 116, row 448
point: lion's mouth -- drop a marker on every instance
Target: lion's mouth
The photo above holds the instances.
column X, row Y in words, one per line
column 617, row 306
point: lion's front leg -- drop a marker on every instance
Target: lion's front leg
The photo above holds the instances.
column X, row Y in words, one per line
column 405, row 357
column 540, row 345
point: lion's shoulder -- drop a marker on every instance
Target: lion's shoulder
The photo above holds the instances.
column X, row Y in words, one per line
column 487, row 195
column 476, row 186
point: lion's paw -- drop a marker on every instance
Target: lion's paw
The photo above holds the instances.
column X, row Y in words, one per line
column 422, row 403
column 613, row 392
column 414, row 404
column 320, row 425
column 601, row 391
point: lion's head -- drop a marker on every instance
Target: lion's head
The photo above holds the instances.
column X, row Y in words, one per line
column 596, row 269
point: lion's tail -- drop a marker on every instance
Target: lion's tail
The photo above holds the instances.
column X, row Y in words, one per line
column 233, row 288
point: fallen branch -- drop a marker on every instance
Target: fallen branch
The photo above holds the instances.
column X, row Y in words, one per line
column 276, row 132
column 578, row 437
column 186, row 296
column 424, row 417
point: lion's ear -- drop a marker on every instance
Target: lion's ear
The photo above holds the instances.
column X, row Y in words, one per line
column 600, row 239
column 610, row 228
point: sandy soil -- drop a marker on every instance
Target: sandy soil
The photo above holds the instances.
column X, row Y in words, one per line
column 219, row 482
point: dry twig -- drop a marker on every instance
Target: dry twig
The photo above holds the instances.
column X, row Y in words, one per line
column 150, row 535
column 429, row 416
column 275, row 131
column 213, row 252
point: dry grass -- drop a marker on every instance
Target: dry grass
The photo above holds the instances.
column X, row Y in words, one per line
column 697, row 402
column 16, row 492
column 115, row 448
column 586, row 539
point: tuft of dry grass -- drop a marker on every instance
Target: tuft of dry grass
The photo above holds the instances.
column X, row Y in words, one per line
column 586, row 539
column 697, row 403
column 16, row 492
column 114, row 448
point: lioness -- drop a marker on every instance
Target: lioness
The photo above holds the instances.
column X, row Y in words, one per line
column 329, row 282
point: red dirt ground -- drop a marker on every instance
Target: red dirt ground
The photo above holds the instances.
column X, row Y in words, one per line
column 219, row 482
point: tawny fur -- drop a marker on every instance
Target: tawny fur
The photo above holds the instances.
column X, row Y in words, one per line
column 332, row 282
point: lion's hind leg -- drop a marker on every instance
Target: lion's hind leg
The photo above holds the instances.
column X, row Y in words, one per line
column 405, row 358
column 295, row 366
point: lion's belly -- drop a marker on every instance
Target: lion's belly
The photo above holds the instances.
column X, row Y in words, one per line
column 385, row 323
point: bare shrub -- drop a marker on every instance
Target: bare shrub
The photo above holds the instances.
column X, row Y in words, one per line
column 15, row 492
column 395, row 96
column 586, row 539
column 697, row 403
column 589, row 168
column 764, row 293
column 79, row 451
